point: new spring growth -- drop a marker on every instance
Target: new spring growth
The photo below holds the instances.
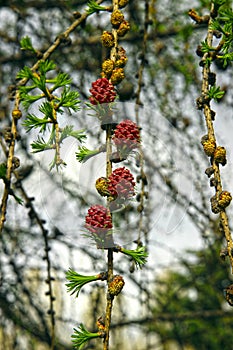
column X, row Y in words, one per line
column 56, row 97
column 84, row 153
column 139, row 255
column 82, row 335
column 94, row 7
column 77, row 281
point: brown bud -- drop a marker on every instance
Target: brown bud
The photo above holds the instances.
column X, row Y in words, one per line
column 209, row 171
column 121, row 51
column 199, row 51
column 144, row 179
column 121, row 62
column 211, row 78
column 16, row 162
column 116, row 285
column 107, row 39
column 217, row 34
column 101, row 324
column 213, row 182
column 229, row 294
column 213, row 113
column 209, row 145
column 102, row 186
column 146, row 195
column 117, row 18
column 7, row 134
column 117, row 76
column 220, row 155
column 140, row 208
column 107, row 67
column 200, row 101
column 224, row 199
column 223, row 254
column 214, row 205
column 123, row 28
column 77, row 14
column 16, row 114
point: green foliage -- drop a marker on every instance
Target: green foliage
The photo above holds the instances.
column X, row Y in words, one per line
column 139, row 255
column 52, row 105
column 69, row 99
column 25, row 73
column 81, row 336
column 47, row 109
column 68, row 131
column 27, row 99
column 77, row 281
column 33, row 121
column 224, row 24
column 215, row 93
column 208, row 61
column 26, row 44
column 60, row 80
column 84, row 154
column 226, row 15
column 205, row 47
column 226, row 59
column 41, row 145
column 219, row 2
column 94, row 7
column 216, row 25
column 46, row 66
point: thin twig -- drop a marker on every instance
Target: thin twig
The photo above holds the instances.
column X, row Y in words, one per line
column 211, row 134
column 109, row 306
column 11, row 151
